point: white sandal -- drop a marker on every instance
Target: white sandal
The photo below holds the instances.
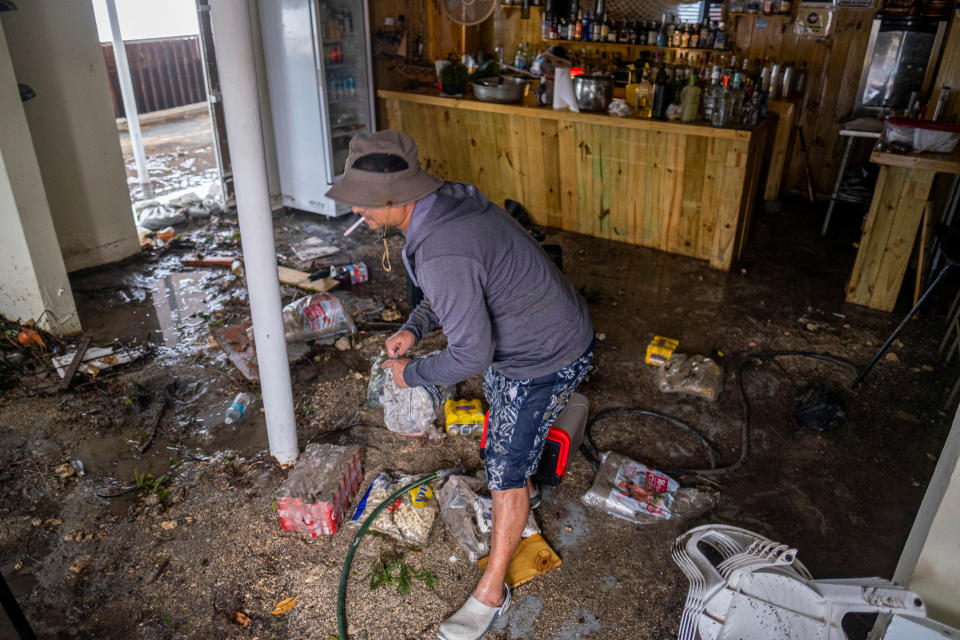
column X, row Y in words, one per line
column 473, row 620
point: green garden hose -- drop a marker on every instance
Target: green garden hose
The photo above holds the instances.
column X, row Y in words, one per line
column 345, row 574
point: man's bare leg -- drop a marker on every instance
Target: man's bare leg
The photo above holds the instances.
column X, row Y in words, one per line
column 510, row 510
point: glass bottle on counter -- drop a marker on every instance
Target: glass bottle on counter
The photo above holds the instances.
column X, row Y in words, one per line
column 630, row 91
column 578, row 26
column 695, row 37
column 645, row 94
column 710, row 94
column 690, row 100
column 661, row 94
column 722, row 105
column 685, row 37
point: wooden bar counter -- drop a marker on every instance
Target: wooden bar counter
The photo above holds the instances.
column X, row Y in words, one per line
column 889, row 231
column 683, row 188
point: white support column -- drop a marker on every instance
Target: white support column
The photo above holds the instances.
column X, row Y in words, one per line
column 129, row 101
column 238, row 84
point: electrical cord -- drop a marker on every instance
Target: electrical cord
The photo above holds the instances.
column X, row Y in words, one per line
column 592, row 454
column 345, row 572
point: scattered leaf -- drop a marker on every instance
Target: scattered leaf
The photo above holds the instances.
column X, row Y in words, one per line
column 241, row 619
column 285, row 605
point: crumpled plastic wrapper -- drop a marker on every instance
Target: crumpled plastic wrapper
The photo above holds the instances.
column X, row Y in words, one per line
column 320, row 316
column 468, row 515
column 693, row 375
column 412, row 411
column 620, row 108
column 633, row 491
column 402, row 520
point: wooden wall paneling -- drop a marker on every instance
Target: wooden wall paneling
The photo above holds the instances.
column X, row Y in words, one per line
column 567, row 155
column 729, row 203
column 586, row 146
column 618, row 194
column 548, row 151
column 692, row 206
column 673, row 172
column 715, row 153
column 635, row 171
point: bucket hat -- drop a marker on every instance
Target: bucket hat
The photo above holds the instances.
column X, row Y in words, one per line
column 382, row 170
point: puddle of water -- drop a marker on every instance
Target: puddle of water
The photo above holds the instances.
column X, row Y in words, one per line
column 571, row 526
column 178, row 299
column 521, row 617
column 579, row 625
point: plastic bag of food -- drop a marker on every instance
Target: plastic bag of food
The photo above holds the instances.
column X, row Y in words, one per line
column 694, row 375
column 411, row 516
column 411, row 411
column 377, row 379
column 320, row 316
column 630, row 490
column 458, row 509
column 468, row 516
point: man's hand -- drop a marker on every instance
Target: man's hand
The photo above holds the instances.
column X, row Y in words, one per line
column 397, row 366
column 399, row 343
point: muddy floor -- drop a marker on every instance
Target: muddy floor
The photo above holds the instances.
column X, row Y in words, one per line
column 94, row 556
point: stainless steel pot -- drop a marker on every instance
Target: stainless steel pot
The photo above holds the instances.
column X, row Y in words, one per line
column 593, row 93
column 503, row 90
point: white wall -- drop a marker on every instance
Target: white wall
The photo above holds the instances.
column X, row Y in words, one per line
column 930, row 563
column 32, row 274
column 55, row 49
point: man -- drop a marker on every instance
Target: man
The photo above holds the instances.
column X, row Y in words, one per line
column 506, row 310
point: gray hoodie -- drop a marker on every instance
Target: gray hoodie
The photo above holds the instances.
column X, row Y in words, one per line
column 499, row 298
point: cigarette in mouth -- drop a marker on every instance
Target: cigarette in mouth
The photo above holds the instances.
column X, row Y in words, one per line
column 353, row 227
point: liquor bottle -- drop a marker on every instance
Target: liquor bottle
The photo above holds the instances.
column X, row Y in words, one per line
column 632, row 83
column 695, row 37
column 635, row 31
column 652, row 31
column 587, row 30
column 578, row 26
column 545, row 29
column 722, row 104
column 645, row 94
column 690, row 100
column 612, row 31
column 596, row 27
column 784, row 7
column 661, row 94
column 662, row 34
column 604, row 29
column 710, row 94
column 685, row 37
column 623, row 35
column 675, row 34
column 720, row 37
column 676, row 83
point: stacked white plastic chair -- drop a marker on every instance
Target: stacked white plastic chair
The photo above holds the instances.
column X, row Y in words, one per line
column 744, row 586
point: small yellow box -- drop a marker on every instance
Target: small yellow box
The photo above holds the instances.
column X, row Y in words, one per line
column 659, row 350
column 464, row 417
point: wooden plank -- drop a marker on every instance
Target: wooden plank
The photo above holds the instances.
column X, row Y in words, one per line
column 698, row 129
column 948, row 75
column 568, row 175
column 937, row 162
column 903, row 233
column 712, row 174
column 730, row 192
column 785, row 111
column 301, row 279
column 876, row 231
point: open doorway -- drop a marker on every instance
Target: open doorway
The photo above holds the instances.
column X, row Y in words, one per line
column 170, row 62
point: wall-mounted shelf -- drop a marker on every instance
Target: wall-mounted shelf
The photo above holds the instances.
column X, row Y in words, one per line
column 642, row 47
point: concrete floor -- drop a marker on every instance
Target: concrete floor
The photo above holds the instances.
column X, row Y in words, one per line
column 183, row 567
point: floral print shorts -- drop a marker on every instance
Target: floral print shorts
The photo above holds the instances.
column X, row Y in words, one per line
column 521, row 414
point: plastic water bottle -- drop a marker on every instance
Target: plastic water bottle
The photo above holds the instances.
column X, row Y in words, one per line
column 237, row 408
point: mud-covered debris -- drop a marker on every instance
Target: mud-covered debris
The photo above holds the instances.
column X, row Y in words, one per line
column 390, row 315
column 241, row 619
column 81, row 563
column 342, row 343
column 64, row 470
column 891, row 357
column 167, row 525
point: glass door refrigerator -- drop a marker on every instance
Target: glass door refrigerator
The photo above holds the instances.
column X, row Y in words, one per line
column 318, row 67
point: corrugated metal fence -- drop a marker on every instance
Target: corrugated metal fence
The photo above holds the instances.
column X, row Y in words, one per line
column 166, row 73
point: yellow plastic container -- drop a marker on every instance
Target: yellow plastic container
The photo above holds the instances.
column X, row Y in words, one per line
column 464, row 417
column 660, row 349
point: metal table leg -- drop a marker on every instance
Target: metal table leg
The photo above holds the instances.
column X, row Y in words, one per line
column 837, row 183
